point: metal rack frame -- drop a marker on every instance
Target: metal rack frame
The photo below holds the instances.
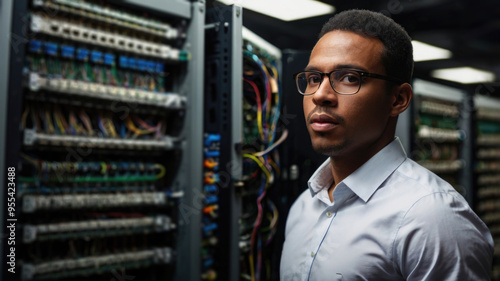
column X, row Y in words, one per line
column 223, row 109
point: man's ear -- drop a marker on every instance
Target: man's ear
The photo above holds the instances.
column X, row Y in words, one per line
column 401, row 97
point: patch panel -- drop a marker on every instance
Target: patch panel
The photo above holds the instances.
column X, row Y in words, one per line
column 40, row 77
column 122, row 19
column 101, row 168
column 141, row 64
column 68, row 266
column 99, row 91
column 32, row 138
column 486, row 153
column 106, row 39
column 489, row 191
column 491, row 218
column 158, row 223
column 489, row 180
column 488, row 114
column 439, row 108
column 439, row 134
column 487, row 166
column 489, row 139
column 92, row 172
column 32, row 203
column 31, row 188
column 491, row 205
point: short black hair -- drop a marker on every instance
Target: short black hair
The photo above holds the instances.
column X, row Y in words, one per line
column 397, row 57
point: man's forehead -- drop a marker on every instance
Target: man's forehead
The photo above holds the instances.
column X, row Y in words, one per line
column 346, row 48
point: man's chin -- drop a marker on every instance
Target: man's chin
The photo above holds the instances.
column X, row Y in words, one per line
column 329, row 149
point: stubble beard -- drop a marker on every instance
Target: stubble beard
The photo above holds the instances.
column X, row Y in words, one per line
column 329, row 149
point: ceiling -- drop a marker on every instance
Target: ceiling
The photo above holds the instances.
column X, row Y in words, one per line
column 468, row 28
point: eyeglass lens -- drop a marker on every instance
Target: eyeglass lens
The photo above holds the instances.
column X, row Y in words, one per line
column 343, row 81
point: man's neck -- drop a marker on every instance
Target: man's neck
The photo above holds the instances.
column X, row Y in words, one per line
column 344, row 165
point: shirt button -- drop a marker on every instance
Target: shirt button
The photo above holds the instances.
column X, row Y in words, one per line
column 329, row 214
column 312, row 254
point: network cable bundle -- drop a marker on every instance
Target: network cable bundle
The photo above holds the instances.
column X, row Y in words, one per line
column 487, row 170
column 262, row 134
column 101, row 128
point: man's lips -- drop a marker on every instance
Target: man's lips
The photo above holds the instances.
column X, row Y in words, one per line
column 323, row 122
column 323, row 118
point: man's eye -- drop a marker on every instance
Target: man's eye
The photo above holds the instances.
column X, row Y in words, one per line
column 348, row 78
column 313, row 79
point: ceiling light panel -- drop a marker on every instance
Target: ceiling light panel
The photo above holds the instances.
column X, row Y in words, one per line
column 464, row 75
column 424, row 52
column 286, row 10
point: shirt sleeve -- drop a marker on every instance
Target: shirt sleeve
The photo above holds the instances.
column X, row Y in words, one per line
column 441, row 238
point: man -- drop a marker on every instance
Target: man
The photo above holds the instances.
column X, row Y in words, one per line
column 370, row 213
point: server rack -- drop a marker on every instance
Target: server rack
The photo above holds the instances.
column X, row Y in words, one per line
column 487, row 168
column 242, row 131
column 95, row 139
column 441, row 135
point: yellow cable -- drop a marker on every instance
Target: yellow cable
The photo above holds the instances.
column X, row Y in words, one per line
column 259, row 123
column 74, row 123
column 30, row 159
column 275, row 71
column 270, row 218
column 275, row 166
column 24, row 116
column 35, row 115
column 274, row 124
column 103, row 168
column 50, row 126
column 275, row 217
column 107, row 122
column 133, row 128
column 86, row 121
column 63, row 120
column 152, row 84
column 250, row 259
column 57, row 118
column 103, row 123
column 261, row 165
column 162, row 171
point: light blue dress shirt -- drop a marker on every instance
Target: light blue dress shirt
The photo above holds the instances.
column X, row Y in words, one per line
column 391, row 219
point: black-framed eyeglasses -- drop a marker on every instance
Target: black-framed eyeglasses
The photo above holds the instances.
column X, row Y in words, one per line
column 343, row 81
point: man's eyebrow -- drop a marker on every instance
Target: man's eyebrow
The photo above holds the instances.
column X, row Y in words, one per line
column 340, row 66
column 352, row 66
column 311, row 68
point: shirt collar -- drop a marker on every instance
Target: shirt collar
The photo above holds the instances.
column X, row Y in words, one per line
column 367, row 178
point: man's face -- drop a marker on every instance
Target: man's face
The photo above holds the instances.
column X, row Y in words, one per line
column 340, row 125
